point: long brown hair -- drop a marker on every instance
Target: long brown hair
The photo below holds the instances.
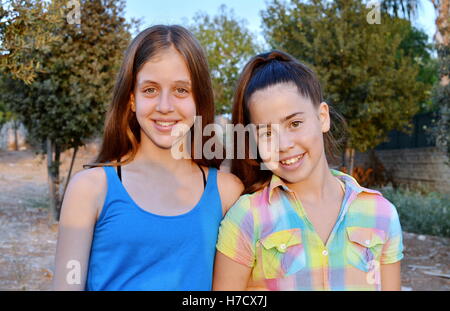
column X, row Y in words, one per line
column 122, row 134
column 262, row 71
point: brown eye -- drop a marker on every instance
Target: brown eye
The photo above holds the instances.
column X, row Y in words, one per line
column 266, row 134
column 150, row 91
column 296, row 124
column 181, row 90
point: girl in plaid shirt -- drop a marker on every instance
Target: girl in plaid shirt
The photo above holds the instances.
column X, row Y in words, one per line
column 300, row 225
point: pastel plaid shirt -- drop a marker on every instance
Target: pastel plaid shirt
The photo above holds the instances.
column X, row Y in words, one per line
column 269, row 232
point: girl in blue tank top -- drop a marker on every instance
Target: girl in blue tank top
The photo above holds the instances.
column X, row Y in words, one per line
column 145, row 215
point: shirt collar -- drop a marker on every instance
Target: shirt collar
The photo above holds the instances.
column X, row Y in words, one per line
column 275, row 183
column 350, row 182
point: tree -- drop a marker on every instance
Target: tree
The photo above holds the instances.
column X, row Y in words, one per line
column 66, row 102
column 441, row 92
column 27, row 28
column 7, row 116
column 441, row 95
column 8, row 93
column 415, row 44
column 363, row 69
column 228, row 44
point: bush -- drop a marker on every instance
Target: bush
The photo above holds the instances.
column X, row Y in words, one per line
column 421, row 213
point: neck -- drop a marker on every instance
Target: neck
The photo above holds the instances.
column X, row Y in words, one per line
column 320, row 184
column 148, row 154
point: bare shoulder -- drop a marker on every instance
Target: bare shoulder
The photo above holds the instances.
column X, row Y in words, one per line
column 86, row 192
column 90, row 180
column 229, row 179
column 230, row 189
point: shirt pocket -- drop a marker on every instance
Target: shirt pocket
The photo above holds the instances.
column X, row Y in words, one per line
column 366, row 245
column 281, row 253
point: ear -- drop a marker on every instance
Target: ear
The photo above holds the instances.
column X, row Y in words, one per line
column 132, row 103
column 324, row 116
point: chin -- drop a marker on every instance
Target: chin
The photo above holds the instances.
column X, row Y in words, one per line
column 163, row 144
column 292, row 177
column 160, row 141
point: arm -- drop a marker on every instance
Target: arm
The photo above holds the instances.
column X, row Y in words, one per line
column 235, row 254
column 390, row 277
column 83, row 199
column 392, row 253
column 230, row 188
column 230, row 275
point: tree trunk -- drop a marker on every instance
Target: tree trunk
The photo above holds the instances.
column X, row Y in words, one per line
column 349, row 159
column 352, row 161
column 53, row 157
column 16, row 138
column 74, row 154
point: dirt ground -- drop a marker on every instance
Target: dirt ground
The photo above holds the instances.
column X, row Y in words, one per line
column 27, row 243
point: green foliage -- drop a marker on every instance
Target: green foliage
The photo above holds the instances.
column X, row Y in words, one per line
column 421, row 213
column 66, row 101
column 228, row 44
column 415, row 45
column 65, row 74
column 364, row 69
column 6, row 114
column 441, row 101
column 27, row 29
column 440, row 131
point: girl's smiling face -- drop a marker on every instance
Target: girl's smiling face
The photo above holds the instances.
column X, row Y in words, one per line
column 293, row 129
column 163, row 98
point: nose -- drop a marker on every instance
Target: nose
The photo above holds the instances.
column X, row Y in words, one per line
column 165, row 104
column 285, row 142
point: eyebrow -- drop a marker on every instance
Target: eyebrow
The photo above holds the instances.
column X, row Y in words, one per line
column 182, row 82
column 258, row 126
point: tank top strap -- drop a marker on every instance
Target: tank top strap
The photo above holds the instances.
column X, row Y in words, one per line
column 212, row 173
column 111, row 175
column 213, row 200
column 114, row 182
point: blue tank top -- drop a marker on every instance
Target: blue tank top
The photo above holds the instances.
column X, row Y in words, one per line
column 133, row 249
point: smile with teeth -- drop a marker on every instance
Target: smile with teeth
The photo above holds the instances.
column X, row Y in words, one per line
column 292, row 161
column 162, row 123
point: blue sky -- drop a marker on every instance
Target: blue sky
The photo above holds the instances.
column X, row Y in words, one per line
column 181, row 11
